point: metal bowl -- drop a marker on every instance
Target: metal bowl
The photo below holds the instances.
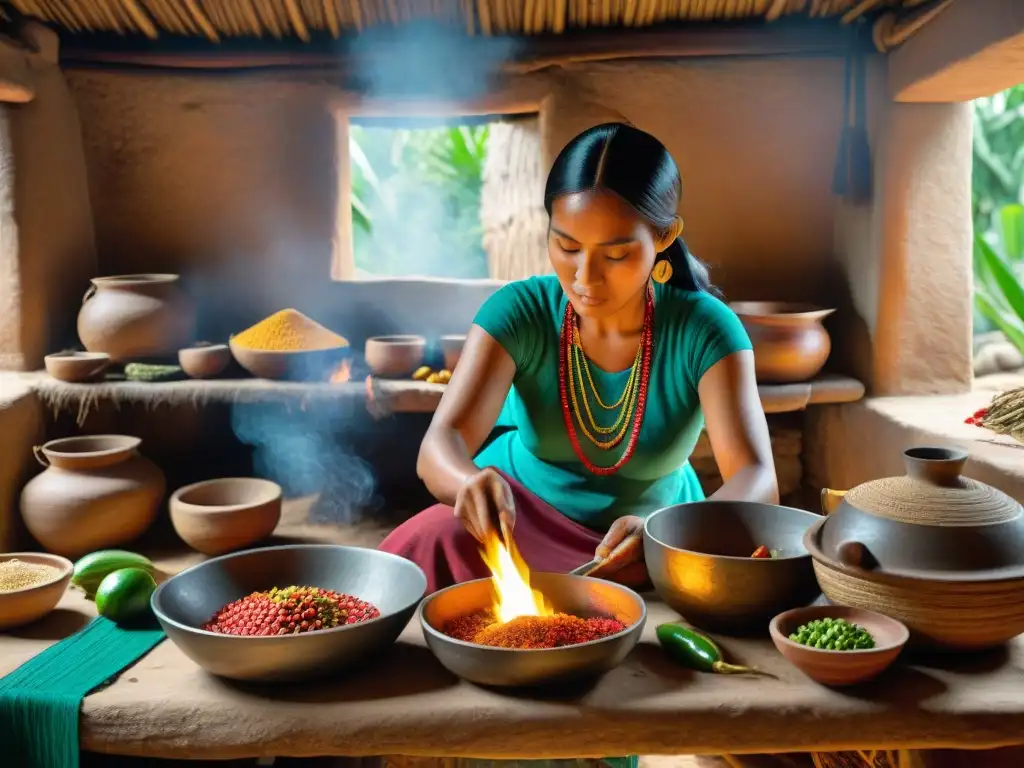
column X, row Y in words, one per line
column 186, row 601
column 698, row 558
column 506, row 667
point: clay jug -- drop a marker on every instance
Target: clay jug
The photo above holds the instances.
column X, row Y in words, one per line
column 790, row 343
column 132, row 317
column 96, row 492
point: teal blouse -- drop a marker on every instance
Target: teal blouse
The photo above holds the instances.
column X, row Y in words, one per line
column 692, row 332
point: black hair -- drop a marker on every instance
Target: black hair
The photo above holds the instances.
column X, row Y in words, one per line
column 635, row 166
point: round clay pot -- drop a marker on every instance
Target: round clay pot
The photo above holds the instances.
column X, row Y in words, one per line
column 451, row 346
column 96, row 492
column 790, row 342
column 941, row 552
column 132, row 317
column 219, row 516
column 394, row 356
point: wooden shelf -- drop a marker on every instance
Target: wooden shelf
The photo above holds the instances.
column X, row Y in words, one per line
column 381, row 396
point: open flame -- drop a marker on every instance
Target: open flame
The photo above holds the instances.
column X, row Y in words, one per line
column 513, row 595
column 342, row 373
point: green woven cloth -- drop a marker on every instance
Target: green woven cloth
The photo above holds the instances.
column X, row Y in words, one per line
column 40, row 700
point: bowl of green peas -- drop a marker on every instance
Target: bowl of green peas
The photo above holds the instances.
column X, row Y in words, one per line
column 836, row 645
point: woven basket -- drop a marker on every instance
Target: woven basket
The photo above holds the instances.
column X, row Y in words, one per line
column 966, row 616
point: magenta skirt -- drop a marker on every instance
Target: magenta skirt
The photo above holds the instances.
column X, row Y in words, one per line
column 548, row 541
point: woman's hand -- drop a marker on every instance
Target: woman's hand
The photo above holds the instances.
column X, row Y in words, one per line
column 485, row 501
column 622, row 549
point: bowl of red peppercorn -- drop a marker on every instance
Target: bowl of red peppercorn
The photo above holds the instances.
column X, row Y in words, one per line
column 289, row 613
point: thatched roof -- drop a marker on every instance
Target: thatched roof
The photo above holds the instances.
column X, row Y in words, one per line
column 304, row 19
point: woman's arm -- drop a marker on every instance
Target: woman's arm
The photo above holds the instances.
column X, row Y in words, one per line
column 738, row 430
column 466, row 415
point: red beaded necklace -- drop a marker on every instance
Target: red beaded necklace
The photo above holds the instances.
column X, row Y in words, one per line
column 566, row 345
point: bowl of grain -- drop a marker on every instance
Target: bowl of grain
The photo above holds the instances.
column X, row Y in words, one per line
column 31, row 585
column 289, row 345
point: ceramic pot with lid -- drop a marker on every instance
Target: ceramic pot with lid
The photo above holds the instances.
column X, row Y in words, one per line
column 135, row 317
column 96, row 492
column 941, row 552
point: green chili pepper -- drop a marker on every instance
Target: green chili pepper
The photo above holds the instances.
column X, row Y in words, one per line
column 692, row 649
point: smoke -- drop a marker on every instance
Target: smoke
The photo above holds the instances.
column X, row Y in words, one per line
column 319, row 448
column 305, row 453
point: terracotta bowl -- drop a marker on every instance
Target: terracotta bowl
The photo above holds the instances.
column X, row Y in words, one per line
column 23, row 606
column 837, row 668
column 395, row 356
column 313, row 365
column 790, row 343
column 77, row 367
column 204, row 362
column 227, row 514
column 451, row 346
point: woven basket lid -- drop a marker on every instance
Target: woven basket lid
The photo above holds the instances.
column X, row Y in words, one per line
column 934, row 492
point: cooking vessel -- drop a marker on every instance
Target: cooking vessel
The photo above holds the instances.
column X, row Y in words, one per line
column 789, row 340
column 191, row 598
column 507, row 667
column 942, row 553
column 699, row 559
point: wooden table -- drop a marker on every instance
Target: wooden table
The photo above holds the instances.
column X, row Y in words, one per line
column 165, row 706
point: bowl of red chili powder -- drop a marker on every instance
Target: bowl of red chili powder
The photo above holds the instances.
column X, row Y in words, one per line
column 289, row 613
column 595, row 625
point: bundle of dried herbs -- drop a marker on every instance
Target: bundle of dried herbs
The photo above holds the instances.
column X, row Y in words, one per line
column 1003, row 416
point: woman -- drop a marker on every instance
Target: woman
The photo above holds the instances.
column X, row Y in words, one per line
column 603, row 375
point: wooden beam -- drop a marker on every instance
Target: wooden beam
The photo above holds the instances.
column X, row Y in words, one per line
column 973, row 48
column 496, row 54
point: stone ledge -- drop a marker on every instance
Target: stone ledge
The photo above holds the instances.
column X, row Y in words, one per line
column 846, row 445
column 384, row 396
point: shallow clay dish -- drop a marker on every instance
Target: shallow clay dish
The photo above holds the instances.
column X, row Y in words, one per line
column 77, row 367
column 204, row 362
column 451, row 346
column 219, row 516
column 23, row 606
column 394, row 356
column 838, row 668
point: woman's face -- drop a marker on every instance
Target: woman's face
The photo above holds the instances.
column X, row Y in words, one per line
column 602, row 251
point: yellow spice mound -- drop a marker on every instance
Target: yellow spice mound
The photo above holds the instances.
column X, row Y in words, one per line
column 288, row 331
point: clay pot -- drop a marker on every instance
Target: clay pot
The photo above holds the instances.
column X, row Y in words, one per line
column 97, row 492
column 942, row 553
column 790, row 342
column 395, row 356
column 133, row 317
column 451, row 347
column 218, row 516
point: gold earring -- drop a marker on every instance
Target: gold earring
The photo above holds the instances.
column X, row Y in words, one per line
column 662, row 271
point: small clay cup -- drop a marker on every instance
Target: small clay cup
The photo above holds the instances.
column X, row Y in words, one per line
column 205, row 362
column 451, row 346
column 227, row 514
column 23, row 606
column 839, row 668
column 394, row 356
column 77, row 367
